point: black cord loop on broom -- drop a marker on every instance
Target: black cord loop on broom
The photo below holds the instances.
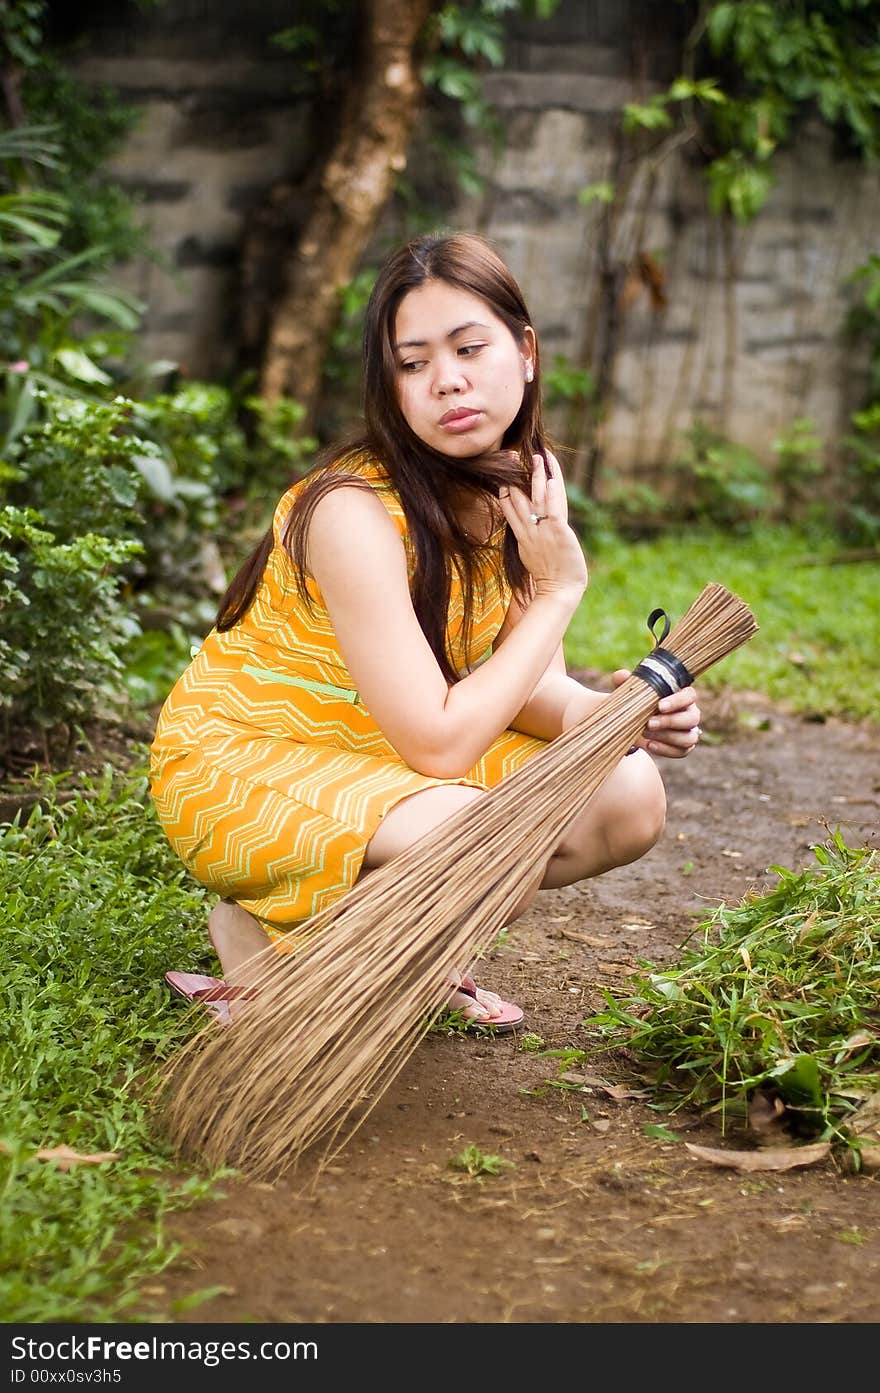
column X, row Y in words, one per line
column 661, row 669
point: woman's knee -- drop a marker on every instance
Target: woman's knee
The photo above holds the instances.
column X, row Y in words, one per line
column 642, row 802
column 414, row 817
column 618, row 824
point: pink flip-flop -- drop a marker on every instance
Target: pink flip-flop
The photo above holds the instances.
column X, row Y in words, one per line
column 212, row 992
column 509, row 1015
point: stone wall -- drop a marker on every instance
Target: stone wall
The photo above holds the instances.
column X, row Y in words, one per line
column 749, row 337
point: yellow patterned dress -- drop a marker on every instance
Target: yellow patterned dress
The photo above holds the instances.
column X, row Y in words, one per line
column 268, row 774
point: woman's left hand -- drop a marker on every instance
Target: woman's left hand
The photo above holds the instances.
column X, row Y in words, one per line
column 674, row 729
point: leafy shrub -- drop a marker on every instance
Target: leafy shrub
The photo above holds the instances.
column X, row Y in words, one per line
column 210, row 474
column 859, row 510
column 64, row 623
column 799, row 464
column 81, row 469
column 47, row 295
column 720, row 481
column 637, row 509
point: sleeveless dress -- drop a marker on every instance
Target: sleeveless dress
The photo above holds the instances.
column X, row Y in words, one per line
column 268, row 773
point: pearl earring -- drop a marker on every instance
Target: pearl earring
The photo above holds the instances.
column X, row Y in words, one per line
column 530, row 372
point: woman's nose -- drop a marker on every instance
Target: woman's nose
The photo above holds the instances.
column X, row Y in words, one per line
column 448, row 380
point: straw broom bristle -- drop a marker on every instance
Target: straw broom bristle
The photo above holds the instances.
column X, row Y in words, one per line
column 335, row 1018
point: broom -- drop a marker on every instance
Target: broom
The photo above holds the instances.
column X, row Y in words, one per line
column 335, row 1017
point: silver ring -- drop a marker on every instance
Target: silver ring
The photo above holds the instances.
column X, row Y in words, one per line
column 537, row 517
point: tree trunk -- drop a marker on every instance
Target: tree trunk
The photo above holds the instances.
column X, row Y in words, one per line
column 353, row 188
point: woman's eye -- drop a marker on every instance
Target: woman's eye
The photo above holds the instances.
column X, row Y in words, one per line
column 468, row 349
column 410, row 367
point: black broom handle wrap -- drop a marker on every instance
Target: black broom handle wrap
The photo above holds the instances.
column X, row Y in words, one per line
column 661, row 669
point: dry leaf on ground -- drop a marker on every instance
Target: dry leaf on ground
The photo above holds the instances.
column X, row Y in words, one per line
column 614, row 1090
column 591, row 940
column 778, row 1158
column 583, row 1080
column 865, row 1125
column 64, row 1157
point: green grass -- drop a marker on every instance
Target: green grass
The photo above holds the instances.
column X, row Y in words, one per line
column 94, row 908
column 477, row 1163
column 816, row 649
column 782, row 992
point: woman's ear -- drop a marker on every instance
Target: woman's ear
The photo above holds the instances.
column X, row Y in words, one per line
column 527, row 353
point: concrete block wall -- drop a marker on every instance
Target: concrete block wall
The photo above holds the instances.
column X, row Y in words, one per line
column 220, row 122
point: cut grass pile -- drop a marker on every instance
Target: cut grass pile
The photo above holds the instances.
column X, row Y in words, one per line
column 816, row 646
column 94, row 907
column 782, row 992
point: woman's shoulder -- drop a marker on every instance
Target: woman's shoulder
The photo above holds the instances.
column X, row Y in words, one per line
column 357, row 467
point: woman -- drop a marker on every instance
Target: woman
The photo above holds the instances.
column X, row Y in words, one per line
column 393, row 648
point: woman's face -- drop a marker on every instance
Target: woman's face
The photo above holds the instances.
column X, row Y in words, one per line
column 460, row 372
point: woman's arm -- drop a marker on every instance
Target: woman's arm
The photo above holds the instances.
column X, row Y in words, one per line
column 559, row 702
column 357, row 558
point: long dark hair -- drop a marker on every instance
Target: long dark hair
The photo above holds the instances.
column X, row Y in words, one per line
column 428, row 483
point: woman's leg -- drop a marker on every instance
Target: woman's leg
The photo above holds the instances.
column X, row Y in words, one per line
column 237, row 936
column 407, row 823
column 621, row 822
column 618, row 824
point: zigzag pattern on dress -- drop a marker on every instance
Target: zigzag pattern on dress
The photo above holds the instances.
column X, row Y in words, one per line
column 269, row 792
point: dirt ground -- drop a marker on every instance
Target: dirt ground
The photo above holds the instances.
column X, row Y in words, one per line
column 591, row 1220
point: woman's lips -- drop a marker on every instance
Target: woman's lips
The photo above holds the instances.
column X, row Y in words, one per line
column 457, row 421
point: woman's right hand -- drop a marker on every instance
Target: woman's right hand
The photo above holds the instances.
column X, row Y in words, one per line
column 549, row 548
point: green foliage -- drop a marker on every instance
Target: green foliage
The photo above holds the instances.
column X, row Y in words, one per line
column 634, row 509
column 863, row 320
column 88, row 124
column 820, row 51
column 80, row 469
column 94, row 906
column 68, row 540
column 477, row 1163
column 464, row 40
column 777, row 994
column 859, row 506
column 47, row 297
column 815, row 649
column 59, row 321
column 858, row 513
column 600, row 192
column 21, row 32
column 719, row 481
column 753, row 68
column 154, row 659
column 63, row 621
column 112, row 509
column 788, row 57
column 738, row 183
column 343, row 360
column 563, row 383
column 799, row 464
column 590, row 519
column 320, row 42
column 656, row 115
column 204, row 471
